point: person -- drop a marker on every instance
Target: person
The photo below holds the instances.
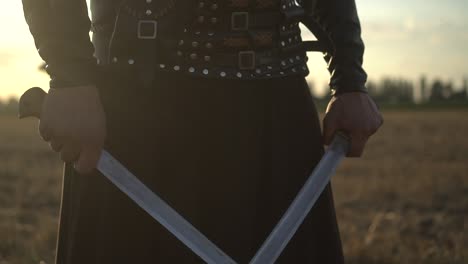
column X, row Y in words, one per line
column 206, row 102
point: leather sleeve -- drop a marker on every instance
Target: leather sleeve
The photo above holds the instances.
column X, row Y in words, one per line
column 336, row 24
column 61, row 33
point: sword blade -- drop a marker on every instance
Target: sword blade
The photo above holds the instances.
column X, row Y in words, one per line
column 160, row 210
column 303, row 203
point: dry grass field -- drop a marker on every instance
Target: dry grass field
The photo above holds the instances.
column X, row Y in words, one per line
column 405, row 201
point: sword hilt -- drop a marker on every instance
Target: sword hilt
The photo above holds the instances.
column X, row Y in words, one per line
column 30, row 103
column 341, row 140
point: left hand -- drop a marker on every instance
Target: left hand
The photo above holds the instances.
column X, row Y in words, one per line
column 357, row 115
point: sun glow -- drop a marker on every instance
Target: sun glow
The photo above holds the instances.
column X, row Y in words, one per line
column 402, row 39
column 19, row 61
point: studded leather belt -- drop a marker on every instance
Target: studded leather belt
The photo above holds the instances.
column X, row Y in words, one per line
column 235, row 47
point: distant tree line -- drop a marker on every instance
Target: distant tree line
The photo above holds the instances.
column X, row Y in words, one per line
column 402, row 91
column 392, row 91
column 9, row 106
column 388, row 90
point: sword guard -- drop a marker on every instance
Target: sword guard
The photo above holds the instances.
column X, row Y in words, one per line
column 30, row 103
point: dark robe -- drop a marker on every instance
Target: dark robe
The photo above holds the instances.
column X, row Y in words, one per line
column 228, row 155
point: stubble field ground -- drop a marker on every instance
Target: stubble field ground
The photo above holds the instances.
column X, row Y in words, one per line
column 405, row 201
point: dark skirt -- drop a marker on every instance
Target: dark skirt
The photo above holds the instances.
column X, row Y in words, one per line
column 229, row 156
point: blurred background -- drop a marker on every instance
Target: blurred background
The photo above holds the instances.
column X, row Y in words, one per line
column 405, row 201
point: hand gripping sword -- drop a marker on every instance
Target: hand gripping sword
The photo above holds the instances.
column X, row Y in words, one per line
column 31, row 104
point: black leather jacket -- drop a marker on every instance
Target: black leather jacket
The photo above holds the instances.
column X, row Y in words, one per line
column 61, row 32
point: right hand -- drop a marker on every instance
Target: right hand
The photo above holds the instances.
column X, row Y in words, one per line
column 74, row 124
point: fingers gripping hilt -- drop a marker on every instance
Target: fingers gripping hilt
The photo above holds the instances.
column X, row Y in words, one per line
column 30, row 103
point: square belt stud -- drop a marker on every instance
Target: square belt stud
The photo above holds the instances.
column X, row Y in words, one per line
column 240, row 21
column 147, row 29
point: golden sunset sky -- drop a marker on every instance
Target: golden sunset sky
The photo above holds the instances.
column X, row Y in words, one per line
column 404, row 38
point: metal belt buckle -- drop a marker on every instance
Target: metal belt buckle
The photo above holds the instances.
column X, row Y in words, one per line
column 240, row 21
column 247, row 60
column 147, row 29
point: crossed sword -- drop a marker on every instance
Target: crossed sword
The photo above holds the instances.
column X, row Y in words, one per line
column 30, row 104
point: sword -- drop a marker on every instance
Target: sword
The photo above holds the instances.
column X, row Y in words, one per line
column 30, row 104
column 303, row 203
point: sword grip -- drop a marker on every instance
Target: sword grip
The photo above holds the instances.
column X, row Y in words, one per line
column 30, row 103
column 341, row 142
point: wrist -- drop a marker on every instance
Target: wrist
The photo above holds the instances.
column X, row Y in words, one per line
column 66, row 74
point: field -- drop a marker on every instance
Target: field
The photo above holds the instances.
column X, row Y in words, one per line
column 405, row 201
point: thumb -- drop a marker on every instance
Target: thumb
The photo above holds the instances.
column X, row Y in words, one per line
column 88, row 159
column 330, row 127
